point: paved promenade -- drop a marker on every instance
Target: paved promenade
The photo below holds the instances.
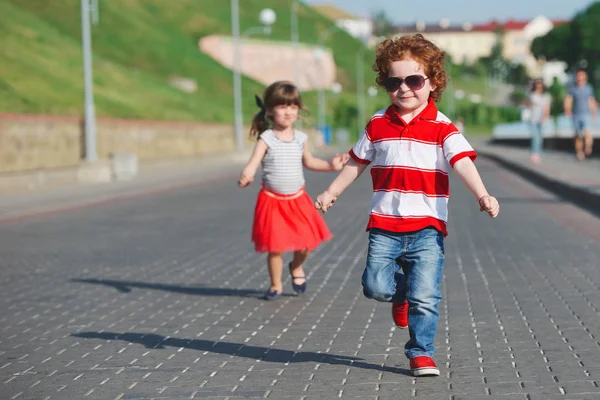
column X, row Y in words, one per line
column 156, row 295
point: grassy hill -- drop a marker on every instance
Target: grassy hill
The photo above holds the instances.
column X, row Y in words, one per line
column 138, row 45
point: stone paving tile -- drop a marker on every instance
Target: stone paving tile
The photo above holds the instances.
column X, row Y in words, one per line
column 160, row 298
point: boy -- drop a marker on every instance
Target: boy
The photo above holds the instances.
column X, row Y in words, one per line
column 409, row 145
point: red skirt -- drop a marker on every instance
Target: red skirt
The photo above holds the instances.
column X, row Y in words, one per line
column 285, row 223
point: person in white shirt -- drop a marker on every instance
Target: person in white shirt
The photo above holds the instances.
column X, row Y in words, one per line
column 539, row 103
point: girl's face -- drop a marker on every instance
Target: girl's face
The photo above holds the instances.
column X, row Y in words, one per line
column 539, row 86
column 284, row 116
column 409, row 99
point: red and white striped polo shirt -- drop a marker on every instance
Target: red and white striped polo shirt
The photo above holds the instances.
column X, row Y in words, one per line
column 409, row 168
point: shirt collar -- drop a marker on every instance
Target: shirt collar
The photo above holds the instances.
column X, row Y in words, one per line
column 430, row 112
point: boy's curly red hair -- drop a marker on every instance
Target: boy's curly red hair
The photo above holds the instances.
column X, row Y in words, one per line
column 427, row 54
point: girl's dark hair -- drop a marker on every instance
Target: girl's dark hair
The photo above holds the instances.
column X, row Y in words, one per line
column 277, row 94
column 534, row 85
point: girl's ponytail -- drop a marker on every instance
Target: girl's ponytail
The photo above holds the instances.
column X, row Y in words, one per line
column 259, row 122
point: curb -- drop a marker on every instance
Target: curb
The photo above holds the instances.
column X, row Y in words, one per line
column 581, row 197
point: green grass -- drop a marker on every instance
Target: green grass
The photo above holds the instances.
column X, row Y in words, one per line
column 137, row 46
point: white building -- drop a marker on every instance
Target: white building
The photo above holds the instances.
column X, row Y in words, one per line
column 468, row 42
column 358, row 27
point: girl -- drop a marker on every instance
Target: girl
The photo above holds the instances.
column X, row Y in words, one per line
column 284, row 217
column 539, row 101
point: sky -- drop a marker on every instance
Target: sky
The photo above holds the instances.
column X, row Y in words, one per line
column 458, row 11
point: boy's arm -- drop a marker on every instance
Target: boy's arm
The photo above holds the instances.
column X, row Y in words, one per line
column 468, row 173
column 351, row 171
column 247, row 176
column 593, row 107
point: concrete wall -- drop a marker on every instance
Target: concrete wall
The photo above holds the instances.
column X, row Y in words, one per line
column 40, row 142
column 267, row 61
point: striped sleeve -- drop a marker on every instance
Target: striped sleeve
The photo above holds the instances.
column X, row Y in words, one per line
column 268, row 137
column 301, row 137
column 363, row 151
column 456, row 147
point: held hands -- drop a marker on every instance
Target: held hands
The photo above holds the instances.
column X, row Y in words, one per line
column 245, row 180
column 339, row 160
column 490, row 205
column 324, row 201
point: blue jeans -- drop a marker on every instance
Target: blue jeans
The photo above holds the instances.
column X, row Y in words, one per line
column 408, row 266
column 537, row 138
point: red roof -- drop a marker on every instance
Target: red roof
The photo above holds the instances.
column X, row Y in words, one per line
column 510, row 25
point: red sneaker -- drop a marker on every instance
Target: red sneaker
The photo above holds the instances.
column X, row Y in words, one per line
column 423, row 366
column 400, row 314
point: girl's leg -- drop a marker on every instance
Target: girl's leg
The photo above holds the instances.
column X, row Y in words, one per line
column 275, row 264
column 300, row 257
column 536, row 140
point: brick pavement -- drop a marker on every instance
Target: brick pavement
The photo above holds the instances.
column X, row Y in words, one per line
column 158, row 297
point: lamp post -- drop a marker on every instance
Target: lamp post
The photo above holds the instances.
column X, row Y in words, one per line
column 267, row 17
column 319, row 53
column 88, row 10
column 295, row 38
column 360, row 87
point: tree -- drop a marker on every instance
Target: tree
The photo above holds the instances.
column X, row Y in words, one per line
column 574, row 41
column 382, row 25
column 557, row 93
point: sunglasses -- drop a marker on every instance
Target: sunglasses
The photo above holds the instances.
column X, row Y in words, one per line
column 414, row 82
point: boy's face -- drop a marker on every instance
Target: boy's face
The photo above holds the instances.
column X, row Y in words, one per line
column 581, row 78
column 407, row 98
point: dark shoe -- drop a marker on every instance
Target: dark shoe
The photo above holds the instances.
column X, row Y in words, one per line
column 301, row 288
column 272, row 295
column 423, row 366
column 400, row 314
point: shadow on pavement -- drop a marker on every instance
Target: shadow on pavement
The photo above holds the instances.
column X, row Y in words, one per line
column 154, row 341
column 127, row 286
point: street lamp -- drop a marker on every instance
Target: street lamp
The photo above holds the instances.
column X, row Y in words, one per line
column 295, row 38
column 360, row 87
column 318, row 54
column 89, row 108
column 267, row 18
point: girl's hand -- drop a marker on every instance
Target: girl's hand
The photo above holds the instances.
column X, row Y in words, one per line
column 324, row 201
column 245, row 180
column 490, row 205
column 339, row 160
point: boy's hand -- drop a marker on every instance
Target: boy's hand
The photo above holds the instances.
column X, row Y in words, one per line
column 339, row 160
column 324, row 201
column 490, row 205
column 245, row 180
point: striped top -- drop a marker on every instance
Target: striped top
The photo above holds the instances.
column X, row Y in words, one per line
column 409, row 168
column 282, row 165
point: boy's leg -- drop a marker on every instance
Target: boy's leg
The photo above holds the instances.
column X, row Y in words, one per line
column 382, row 279
column 579, row 134
column 424, row 267
column 588, row 141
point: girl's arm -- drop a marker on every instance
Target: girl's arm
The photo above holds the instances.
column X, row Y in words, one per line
column 467, row 172
column 351, row 171
column 316, row 164
column 247, row 176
